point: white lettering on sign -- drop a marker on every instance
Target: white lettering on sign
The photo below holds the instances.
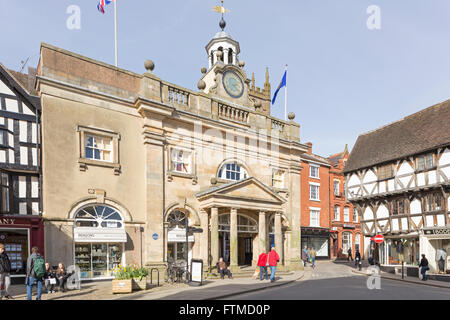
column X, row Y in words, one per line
column 7, row 221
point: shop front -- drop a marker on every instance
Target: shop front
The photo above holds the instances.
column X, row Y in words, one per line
column 99, row 241
column 19, row 235
column 317, row 238
column 435, row 244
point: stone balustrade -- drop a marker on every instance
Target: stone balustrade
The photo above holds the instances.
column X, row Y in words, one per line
column 232, row 113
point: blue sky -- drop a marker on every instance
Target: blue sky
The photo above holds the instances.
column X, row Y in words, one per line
column 344, row 79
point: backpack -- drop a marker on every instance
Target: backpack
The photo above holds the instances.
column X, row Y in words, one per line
column 38, row 267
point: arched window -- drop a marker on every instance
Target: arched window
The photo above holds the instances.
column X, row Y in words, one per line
column 176, row 219
column 98, row 216
column 346, row 241
column 230, row 56
column 232, row 171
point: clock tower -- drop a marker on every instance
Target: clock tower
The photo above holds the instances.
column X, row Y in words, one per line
column 226, row 77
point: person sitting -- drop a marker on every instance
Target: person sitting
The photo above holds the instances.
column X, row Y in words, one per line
column 62, row 276
column 223, row 269
column 49, row 278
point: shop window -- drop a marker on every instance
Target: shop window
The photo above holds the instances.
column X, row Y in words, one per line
column 181, row 161
column 16, row 247
column 346, row 241
column 385, row 172
column 233, row 171
column 278, row 179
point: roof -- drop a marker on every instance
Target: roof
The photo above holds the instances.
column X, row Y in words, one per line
column 21, row 83
column 334, row 159
column 315, row 158
column 425, row 130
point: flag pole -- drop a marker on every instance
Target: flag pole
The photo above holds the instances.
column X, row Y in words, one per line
column 115, row 32
column 285, row 97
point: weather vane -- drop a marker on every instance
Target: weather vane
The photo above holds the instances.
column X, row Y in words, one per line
column 221, row 9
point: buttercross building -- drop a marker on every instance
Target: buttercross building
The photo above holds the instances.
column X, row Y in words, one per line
column 128, row 157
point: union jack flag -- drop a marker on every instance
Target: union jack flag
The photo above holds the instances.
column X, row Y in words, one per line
column 101, row 5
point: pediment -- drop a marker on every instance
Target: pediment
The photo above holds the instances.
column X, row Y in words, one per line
column 248, row 189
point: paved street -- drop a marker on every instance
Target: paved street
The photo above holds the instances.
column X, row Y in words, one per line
column 336, row 281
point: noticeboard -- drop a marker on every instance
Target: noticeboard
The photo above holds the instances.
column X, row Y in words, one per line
column 197, row 271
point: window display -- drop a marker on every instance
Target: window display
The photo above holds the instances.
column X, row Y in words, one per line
column 96, row 260
column 16, row 247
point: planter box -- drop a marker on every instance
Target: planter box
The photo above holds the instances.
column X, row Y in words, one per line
column 122, row 286
column 139, row 285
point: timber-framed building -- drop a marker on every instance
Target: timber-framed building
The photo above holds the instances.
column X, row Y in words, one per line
column 398, row 179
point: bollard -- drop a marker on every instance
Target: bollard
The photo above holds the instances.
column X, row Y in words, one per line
column 403, row 272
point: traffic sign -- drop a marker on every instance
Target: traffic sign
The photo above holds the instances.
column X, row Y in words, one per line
column 379, row 238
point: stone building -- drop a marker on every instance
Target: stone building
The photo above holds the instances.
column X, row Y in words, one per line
column 127, row 157
column 397, row 178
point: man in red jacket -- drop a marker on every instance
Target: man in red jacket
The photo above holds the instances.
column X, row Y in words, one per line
column 273, row 260
column 262, row 264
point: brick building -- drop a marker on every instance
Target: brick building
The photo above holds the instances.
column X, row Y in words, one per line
column 315, row 203
column 345, row 230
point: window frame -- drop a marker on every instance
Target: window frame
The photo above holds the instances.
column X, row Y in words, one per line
column 283, row 179
column 348, row 214
column 337, row 213
column 355, row 215
column 9, row 188
column 314, row 212
column 221, row 173
column 424, row 158
column 383, row 173
column 101, row 150
column 84, row 162
column 336, row 193
column 311, row 166
column 311, row 184
column 172, row 163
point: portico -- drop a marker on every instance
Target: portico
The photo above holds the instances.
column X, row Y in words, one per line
column 240, row 214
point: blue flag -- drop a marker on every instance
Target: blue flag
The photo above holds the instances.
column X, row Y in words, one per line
column 282, row 84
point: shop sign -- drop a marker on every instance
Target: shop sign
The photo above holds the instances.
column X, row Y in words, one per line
column 197, row 271
column 437, row 232
column 99, row 235
column 349, row 226
column 178, row 235
column 6, row 221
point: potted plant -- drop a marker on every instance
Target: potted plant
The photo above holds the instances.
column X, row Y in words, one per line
column 123, row 282
column 139, row 275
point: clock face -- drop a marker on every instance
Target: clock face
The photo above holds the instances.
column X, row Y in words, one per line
column 233, row 84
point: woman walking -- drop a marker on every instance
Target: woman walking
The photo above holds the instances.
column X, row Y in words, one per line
column 425, row 268
column 5, row 269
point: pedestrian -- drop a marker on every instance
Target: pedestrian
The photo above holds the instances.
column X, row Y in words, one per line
column 49, row 279
column 304, row 256
column 313, row 257
column 35, row 273
column 349, row 253
column 358, row 259
column 308, row 252
column 262, row 264
column 5, row 277
column 273, row 258
column 223, row 269
column 425, row 268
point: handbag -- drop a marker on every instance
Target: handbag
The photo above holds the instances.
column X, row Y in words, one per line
column 52, row 281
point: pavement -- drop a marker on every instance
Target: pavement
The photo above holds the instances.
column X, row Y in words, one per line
column 210, row 290
column 335, row 279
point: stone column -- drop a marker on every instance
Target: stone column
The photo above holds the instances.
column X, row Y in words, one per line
column 214, row 236
column 262, row 232
column 233, row 239
column 278, row 236
column 225, row 56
